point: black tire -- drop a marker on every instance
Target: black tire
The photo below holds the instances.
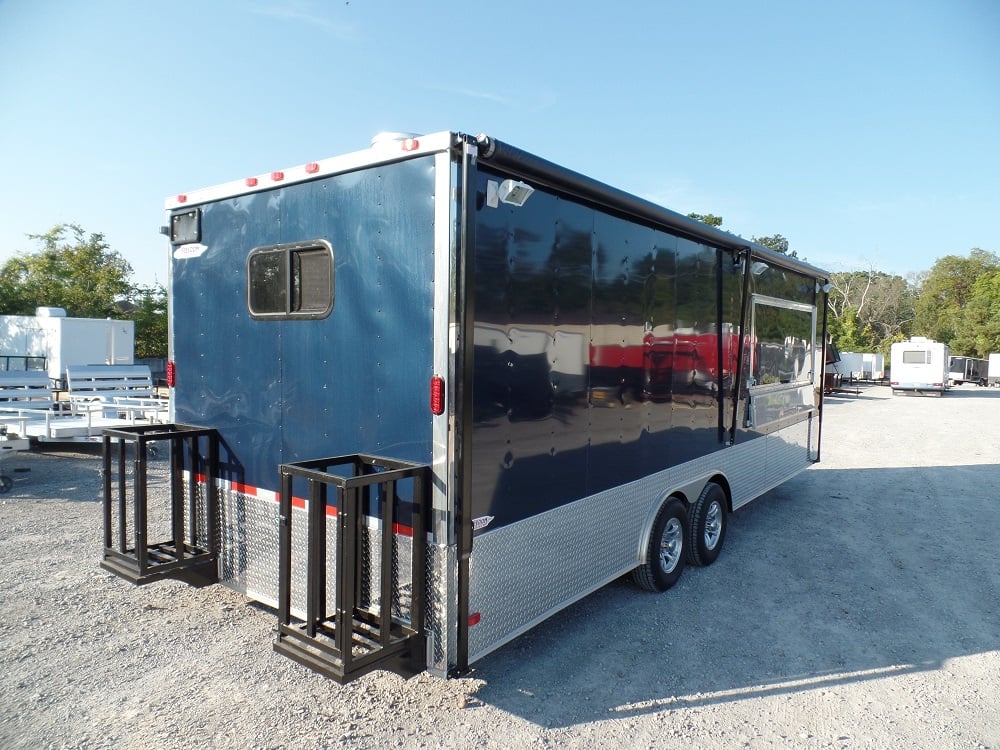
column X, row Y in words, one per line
column 665, row 557
column 6, row 483
column 707, row 527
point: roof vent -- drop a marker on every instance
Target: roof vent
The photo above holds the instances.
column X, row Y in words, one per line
column 389, row 137
column 50, row 312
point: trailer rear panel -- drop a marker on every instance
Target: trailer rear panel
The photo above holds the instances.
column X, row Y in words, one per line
column 287, row 372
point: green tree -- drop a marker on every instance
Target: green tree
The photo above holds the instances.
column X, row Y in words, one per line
column 869, row 310
column 979, row 333
column 945, row 293
column 776, row 242
column 149, row 311
column 711, row 219
column 71, row 270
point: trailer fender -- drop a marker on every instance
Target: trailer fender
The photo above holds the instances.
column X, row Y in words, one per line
column 691, row 491
column 664, row 558
column 647, row 526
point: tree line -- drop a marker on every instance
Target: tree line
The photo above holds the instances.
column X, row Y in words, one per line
column 957, row 301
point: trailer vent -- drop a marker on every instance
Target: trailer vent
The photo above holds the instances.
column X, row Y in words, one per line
column 389, row 138
column 185, row 228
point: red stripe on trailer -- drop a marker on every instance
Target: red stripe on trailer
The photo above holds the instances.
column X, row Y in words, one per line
column 298, row 502
column 246, row 489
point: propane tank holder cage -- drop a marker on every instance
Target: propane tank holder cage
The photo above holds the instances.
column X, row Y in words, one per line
column 178, row 501
column 364, row 628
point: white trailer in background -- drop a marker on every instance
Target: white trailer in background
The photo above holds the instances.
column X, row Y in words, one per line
column 993, row 370
column 919, row 365
column 51, row 341
column 861, row 366
column 874, row 366
column 850, row 366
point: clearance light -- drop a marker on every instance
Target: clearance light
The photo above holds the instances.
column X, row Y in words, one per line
column 251, row 181
column 474, row 618
column 277, row 176
column 437, row 395
column 410, row 144
column 182, row 198
column 171, row 374
column 312, row 168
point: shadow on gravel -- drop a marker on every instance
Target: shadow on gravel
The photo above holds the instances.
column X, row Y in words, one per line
column 54, row 472
column 835, row 577
column 869, row 392
column 971, row 391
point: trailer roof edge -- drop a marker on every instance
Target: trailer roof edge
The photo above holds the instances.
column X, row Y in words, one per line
column 532, row 167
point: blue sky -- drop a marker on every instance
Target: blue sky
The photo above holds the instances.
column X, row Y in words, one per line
column 867, row 133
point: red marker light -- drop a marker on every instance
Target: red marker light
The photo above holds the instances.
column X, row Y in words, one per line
column 410, row 144
column 277, row 176
column 437, row 395
column 182, row 198
column 171, row 374
column 474, row 618
column 312, row 168
column 251, row 181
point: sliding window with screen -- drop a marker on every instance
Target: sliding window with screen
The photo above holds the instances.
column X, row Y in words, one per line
column 291, row 281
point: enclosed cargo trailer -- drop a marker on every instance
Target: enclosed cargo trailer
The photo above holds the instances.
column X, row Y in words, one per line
column 993, row 370
column 51, row 341
column 967, row 370
column 427, row 394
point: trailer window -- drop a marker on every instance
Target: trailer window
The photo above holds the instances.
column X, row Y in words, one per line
column 290, row 281
column 916, row 357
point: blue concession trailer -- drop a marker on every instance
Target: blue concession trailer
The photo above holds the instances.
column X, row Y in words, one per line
column 427, row 394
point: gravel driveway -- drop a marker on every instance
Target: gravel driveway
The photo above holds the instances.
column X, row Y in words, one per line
column 856, row 606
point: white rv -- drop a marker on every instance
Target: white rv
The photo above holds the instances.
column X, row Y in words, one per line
column 919, row 365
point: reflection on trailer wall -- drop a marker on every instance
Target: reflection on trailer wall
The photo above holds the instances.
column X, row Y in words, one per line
column 607, row 332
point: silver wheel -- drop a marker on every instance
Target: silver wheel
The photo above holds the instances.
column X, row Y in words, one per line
column 713, row 525
column 671, row 545
column 707, row 526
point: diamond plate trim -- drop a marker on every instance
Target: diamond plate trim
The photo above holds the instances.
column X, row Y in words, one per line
column 523, row 573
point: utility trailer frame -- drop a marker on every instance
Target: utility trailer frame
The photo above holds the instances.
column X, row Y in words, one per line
column 530, row 383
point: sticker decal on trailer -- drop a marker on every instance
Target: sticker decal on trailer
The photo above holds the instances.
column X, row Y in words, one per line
column 194, row 250
column 478, row 524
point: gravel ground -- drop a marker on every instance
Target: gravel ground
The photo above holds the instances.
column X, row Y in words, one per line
column 856, row 606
